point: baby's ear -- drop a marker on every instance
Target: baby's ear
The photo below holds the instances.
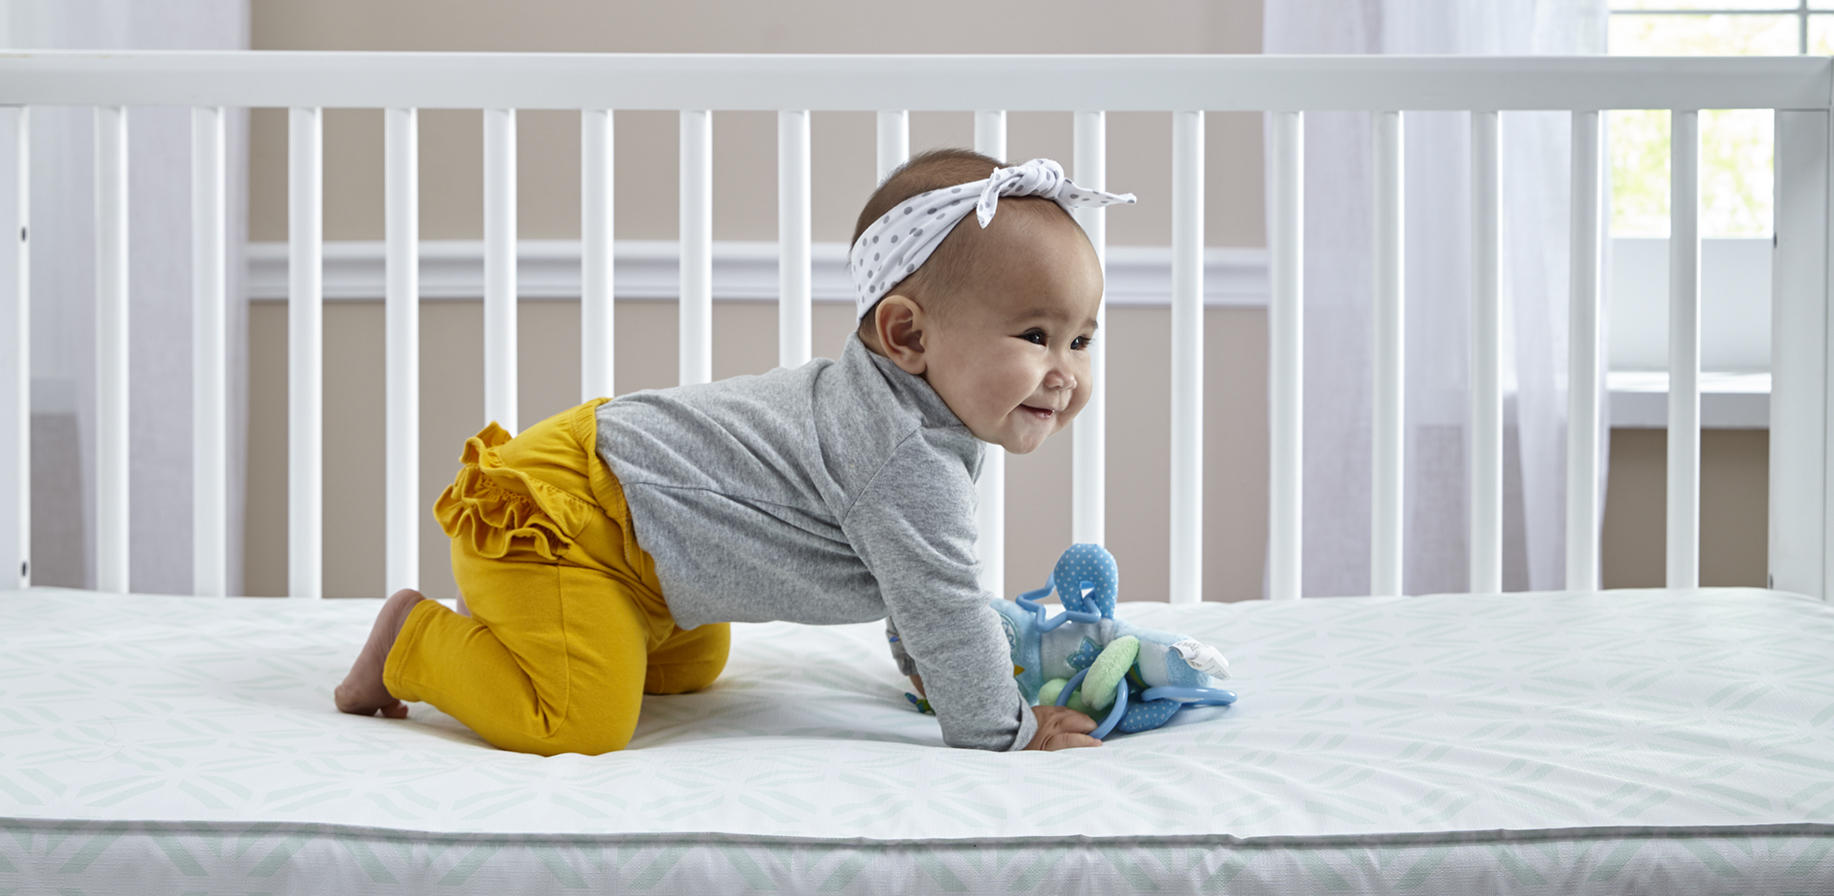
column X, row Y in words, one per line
column 899, row 323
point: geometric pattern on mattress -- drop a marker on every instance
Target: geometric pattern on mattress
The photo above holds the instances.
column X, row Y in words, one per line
column 1560, row 742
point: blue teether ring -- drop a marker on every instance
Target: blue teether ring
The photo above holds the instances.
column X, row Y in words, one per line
column 1191, row 696
column 1114, row 714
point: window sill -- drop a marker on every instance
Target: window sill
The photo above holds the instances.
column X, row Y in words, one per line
column 1639, row 399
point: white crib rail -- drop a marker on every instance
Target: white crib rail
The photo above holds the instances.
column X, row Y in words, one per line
column 990, row 517
column 111, row 349
column 1684, row 350
column 1800, row 551
column 597, row 328
column 795, row 236
column 1388, row 438
column 15, row 351
column 1089, row 448
column 696, row 246
column 209, row 357
column 1586, row 355
column 500, row 268
column 1187, row 542
column 305, row 354
column 796, row 87
column 401, row 325
column 1485, row 471
column 1285, row 350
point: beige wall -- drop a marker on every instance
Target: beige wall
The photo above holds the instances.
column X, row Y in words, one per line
column 1734, row 508
column 745, row 208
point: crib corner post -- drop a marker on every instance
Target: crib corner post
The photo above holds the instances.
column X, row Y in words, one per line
column 1800, row 390
column 15, row 354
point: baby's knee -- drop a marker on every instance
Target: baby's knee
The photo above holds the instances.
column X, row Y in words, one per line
column 586, row 738
column 691, row 661
column 682, row 678
column 594, row 744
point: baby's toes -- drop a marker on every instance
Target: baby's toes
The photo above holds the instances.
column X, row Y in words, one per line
column 395, row 710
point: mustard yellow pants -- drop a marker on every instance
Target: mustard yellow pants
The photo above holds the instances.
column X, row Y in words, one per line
column 568, row 629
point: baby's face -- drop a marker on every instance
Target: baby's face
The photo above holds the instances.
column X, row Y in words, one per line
column 1011, row 356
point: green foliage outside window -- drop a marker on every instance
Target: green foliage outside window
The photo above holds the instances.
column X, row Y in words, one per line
column 1736, row 158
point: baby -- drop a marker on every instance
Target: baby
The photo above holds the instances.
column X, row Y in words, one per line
column 601, row 554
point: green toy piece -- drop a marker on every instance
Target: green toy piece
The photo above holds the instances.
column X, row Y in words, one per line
column 1047, row 695
column 1107, row 671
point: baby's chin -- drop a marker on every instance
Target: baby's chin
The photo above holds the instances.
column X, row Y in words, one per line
column 1028, row 441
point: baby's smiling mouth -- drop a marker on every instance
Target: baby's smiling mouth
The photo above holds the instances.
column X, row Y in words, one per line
column 1042, row 413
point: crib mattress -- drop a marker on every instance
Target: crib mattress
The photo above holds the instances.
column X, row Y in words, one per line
column 1675, row 741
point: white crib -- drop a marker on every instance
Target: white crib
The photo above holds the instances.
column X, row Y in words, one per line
column 788, row 813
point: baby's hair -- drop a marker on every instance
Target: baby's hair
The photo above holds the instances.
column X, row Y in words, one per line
column 955, row 260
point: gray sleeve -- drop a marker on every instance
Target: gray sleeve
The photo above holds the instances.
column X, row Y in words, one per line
column 913, row 525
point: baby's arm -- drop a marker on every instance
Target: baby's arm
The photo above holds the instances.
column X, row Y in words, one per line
column 913, row 527
column 1059, row 727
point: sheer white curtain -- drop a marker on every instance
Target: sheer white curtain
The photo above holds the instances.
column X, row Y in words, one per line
column 1338, row 288
column 159, row 286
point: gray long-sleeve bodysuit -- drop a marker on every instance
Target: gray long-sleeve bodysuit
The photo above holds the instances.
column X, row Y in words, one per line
column 835, row 492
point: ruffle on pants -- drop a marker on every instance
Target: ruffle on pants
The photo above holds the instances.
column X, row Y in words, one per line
column 497, row 509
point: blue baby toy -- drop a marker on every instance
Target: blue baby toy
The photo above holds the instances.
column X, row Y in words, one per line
column 1132, row 679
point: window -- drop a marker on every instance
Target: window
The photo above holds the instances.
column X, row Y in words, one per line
column 1736, row 215
column 1735, row 158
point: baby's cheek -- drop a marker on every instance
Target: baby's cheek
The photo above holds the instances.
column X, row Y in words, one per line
column 1085, row 387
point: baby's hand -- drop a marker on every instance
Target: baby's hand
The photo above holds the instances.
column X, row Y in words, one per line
column 1060, row 728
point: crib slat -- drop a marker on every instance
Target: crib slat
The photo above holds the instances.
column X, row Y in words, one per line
column 305, row 352
column 500, row 268
column 401, row 310
column 990, row 517
column 1684, row 350
column 597, row 326
column 1486, row 471
column 1286, row 352
column 209, row 359
column 795, row 272
column 1088, row 495
column 16, row 354
column 111, row 350
column 1799, row 549
column 1388, row 437
column 990, row 133
column 1584, row 355
column 894, row 141
column 696, row 246
column 1186, row 585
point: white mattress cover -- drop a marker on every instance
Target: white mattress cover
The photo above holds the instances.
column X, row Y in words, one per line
column 1448, row 722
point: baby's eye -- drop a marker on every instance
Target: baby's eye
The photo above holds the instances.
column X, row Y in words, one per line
column 1035, row 337
column 1081, row 343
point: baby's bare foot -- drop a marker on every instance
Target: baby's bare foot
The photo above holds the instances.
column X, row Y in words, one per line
column 363, row 692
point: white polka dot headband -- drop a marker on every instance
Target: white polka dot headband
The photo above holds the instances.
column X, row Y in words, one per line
column 893, row 247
